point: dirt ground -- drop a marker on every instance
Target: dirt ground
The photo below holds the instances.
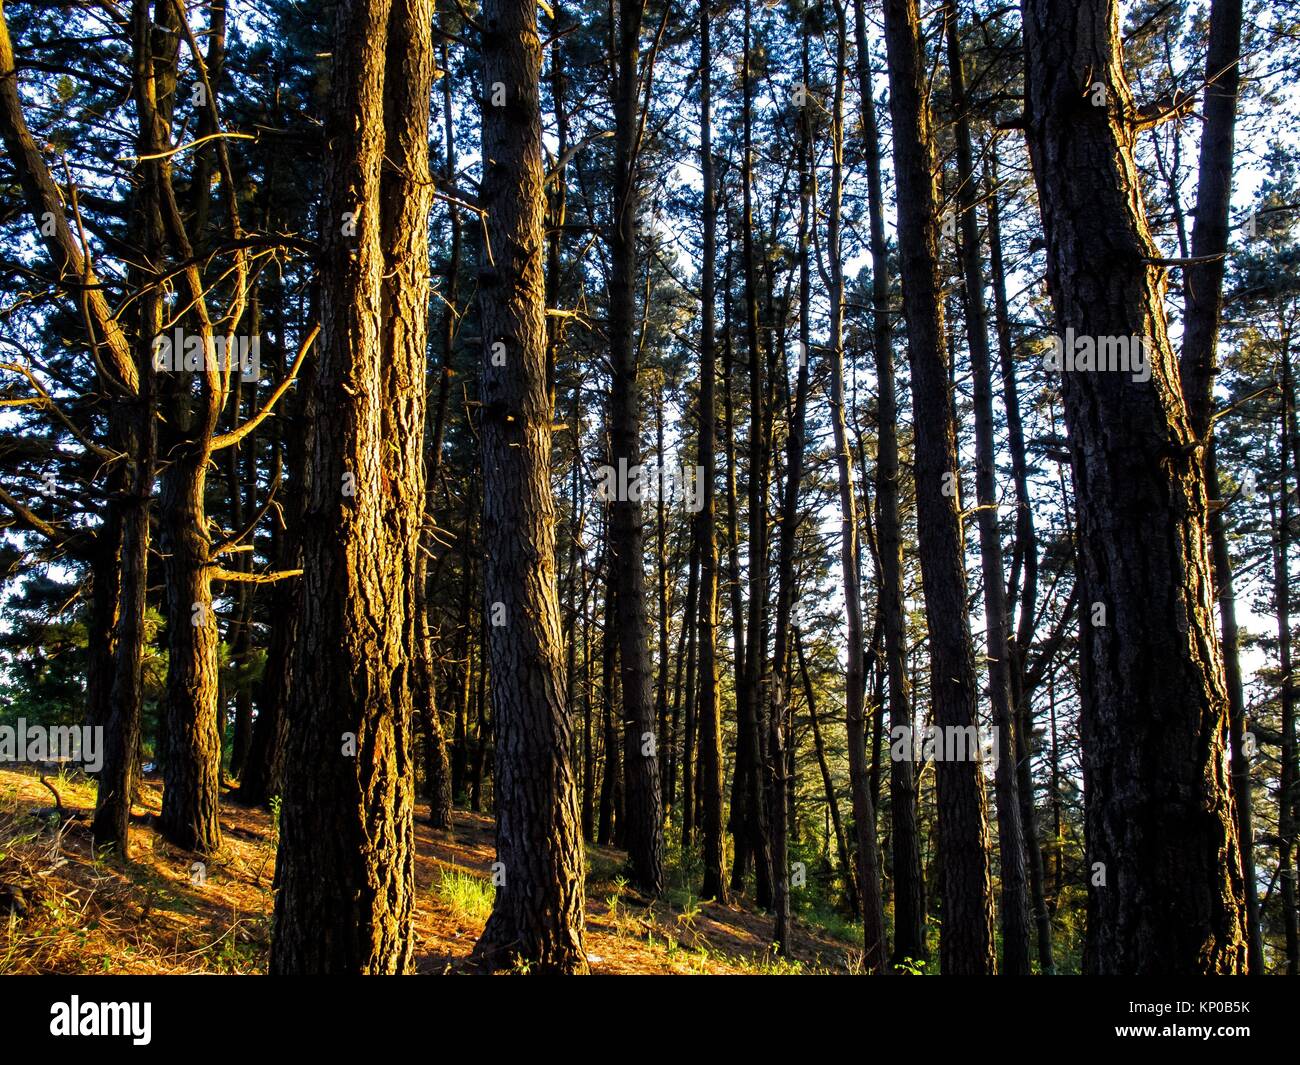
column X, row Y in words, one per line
column 65, row 910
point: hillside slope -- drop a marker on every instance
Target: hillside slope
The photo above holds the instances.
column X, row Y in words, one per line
column 62, row 910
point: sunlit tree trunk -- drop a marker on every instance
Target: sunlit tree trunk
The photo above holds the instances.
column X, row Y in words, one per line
column 346, row 859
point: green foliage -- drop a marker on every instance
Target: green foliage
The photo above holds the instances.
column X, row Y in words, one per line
column 42, row 656
column 467, row 896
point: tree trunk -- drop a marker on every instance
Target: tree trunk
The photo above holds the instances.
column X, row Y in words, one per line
column 346, row 861
column 538, row 911
column 131, row 427
column 750, row 704
column 841, row 846
column 709, row 774
column 909, row 886
column 1165, row 882
column 1011, row 841
column 736, row 823
column 263, row 776
column 1024, row 577
column 875, row 947
column 1203, row 277
column 779, row 710
column 437, row 768
column 611, row 773
column 1203, row 292
column 192, row 760
column 1241, row 782
column 191, row 755
column 643, row 806
column 685, row 767
column 1286, row 790
column 967, row 942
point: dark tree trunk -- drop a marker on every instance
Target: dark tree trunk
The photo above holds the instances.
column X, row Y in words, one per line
column 1024, row 576
column 1286, row 791
column 667, row 765
column 105, row 604
column 967, row 941
column 1011, row 840
column 116, row 688
column 736, row 823
column 1203, row 293
column 685, row 766
column 875, row 947
column 1203, row 277
column 482, row 729
column 1165, row 882
column 263, row 776
column 909, row 886
column 132, row 431
column 779, row 710
column 709, row 774
column 437, row 766
column 832, row 804
column 537, row 914
column 588, row 737
column 1241, row 782
column 611, row 773
column 750, row 702
column 643, row 827
column 241, row 476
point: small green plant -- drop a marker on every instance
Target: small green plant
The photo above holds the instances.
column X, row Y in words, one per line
column 272, row 843
column 770, row 963
column 691, row 909
column 467, row 896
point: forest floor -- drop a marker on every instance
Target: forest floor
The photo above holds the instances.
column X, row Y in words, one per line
column 65, row 910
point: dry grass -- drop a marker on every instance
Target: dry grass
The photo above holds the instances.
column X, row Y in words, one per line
column 75, row 912
column 91, row 914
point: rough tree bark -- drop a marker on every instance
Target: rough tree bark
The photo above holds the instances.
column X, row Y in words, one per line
column 909, row 885
column 643, row 809
column 1011, row 840
column 966, row 942
column 709, row 775
column 1165, row 882
column 538, row 911
column 346, row 860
